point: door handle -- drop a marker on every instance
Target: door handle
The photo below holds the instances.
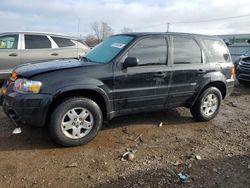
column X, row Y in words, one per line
column 201, row 71
column 160, row 74
column 13, row 55
column 54, row 54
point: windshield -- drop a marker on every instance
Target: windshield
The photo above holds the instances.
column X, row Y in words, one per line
column 108, row 49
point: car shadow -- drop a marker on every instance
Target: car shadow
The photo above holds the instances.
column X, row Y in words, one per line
column 169, row 117
column 38, row 138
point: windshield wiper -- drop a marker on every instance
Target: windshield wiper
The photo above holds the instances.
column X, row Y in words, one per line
column 86, row 59
column 89, row 60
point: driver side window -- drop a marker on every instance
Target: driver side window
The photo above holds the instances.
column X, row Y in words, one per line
column 8, row 42
column 150, row 51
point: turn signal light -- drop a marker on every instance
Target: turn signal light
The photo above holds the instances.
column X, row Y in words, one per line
column 233, row 72
column 13, row 76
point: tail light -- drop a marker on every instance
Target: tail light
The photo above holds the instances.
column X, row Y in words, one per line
column 233, row 72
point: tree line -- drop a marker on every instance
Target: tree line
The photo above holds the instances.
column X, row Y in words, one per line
column 100, row 31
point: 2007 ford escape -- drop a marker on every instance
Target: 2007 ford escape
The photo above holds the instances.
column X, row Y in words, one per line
column 127, row 73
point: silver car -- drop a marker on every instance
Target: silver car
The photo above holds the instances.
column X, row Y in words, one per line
column 29, row 47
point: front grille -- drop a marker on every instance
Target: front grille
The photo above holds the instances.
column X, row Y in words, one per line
column 244, row 65
column 244, row 77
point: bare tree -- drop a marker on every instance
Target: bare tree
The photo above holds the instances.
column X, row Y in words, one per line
column 101, row 30
column 91, row 40
column 126, row 30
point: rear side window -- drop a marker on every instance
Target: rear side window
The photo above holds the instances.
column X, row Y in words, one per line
column 8, row 42
column 186, row 51
column 150, row 51
column 63, row 42
column 37, row 42
column 217, row 51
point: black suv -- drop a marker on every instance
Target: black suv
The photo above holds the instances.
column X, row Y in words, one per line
column 243, row 68
column 125, row 74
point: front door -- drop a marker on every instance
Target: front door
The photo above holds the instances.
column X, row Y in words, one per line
column 136, row 87
column 9, row 54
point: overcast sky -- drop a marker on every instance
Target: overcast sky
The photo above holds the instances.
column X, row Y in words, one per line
column 140, row 15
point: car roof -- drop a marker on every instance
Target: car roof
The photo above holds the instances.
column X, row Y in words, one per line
column 41, row 33
column 142, row 34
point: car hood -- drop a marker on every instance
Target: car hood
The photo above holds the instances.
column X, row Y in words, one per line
column 28, row 70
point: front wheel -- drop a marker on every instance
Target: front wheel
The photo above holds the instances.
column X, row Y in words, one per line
column 207, row 105
column 75, row 121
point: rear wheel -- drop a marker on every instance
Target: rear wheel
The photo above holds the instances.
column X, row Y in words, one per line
column 207, row 105
column 75, row 121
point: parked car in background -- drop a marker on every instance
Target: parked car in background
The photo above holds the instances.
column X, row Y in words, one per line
column 17, row 48
column 125, row 74
column 243, row 68
column 246, row 54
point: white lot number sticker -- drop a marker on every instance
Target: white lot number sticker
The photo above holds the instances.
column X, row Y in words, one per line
column 118, row 45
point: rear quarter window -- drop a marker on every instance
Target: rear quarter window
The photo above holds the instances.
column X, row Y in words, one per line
column 63, row 42
column 217, row 51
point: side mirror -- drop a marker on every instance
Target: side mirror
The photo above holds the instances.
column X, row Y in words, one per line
column 130, row 62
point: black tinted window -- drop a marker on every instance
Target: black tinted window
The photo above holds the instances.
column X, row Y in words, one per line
column 63, row 42
column 186, row 51
column 217, row 51
column 150, row 51
column 8, row 42
column 37, row 42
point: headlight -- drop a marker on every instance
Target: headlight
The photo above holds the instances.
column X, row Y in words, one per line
column 27, row 86
column 13, row 76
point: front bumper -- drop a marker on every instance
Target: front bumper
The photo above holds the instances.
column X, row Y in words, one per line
column 28, row 109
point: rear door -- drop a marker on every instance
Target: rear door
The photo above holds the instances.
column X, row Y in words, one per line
column 139, row 87
column 38, row 48
column 9, row 54
column 188, row 69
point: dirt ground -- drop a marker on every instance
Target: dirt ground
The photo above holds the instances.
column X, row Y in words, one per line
column 212, row 154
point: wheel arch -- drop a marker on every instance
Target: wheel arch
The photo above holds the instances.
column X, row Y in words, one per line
column 218, row 84
column 94, row 94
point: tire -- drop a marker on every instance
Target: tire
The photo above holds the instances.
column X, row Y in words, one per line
column 75, row 121
column 206, row 107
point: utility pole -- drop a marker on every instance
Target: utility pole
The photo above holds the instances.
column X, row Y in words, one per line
column 78, row 26
column 168, row 25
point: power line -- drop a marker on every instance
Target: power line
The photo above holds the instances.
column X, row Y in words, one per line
column 197, row 21
column 212, row 20
column 150, row 26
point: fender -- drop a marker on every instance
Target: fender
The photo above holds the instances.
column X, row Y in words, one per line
column 85, row 87
column 211, row 78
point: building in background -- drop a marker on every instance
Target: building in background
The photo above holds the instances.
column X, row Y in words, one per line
column 238, row 44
